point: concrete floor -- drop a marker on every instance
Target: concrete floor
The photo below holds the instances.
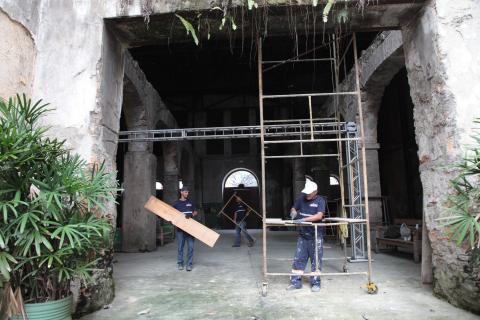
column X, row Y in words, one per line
column 226, row 284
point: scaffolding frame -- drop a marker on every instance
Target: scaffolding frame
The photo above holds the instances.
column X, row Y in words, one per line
column 280, row 128
column 359, row 212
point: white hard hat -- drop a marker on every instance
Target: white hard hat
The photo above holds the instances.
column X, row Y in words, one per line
column 310, row 187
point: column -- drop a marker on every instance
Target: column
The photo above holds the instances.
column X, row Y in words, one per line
column 139, row 224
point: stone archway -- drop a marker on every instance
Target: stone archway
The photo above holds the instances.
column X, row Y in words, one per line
column 378, row 70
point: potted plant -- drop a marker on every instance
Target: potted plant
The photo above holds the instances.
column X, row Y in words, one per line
column 52, row 222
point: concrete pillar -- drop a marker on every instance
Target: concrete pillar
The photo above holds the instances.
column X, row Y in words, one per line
column 200, row 121
column 187, row 167
column 252, row 120
column 139, row 231
column 322, row 177
column 441, row 57
column 298, row 175
column 287, row 196
column 371, row 104
column 227, row 121
column 170, row 172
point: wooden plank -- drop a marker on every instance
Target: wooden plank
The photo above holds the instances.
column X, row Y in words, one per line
column 195, row 228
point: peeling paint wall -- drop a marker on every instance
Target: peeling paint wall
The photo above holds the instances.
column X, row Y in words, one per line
column 441, row 52
column 17, row 58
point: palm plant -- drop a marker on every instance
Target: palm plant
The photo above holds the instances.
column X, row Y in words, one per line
column 52, row 225
column 464, row 204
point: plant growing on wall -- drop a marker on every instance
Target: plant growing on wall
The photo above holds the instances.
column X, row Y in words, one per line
column 259, row 10
column 51, row 208
column 464, row 205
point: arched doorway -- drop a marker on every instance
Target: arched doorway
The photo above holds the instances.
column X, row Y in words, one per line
column 244, row 183
column 398, row 159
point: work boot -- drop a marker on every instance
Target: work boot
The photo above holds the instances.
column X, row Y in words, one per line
column 315, row 288
column 180, row 266
column 292, row 287
column 189, row 268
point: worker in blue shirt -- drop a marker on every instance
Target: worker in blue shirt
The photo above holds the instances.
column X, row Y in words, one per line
column 187, row 207
column 239, row 215
column 308, row 208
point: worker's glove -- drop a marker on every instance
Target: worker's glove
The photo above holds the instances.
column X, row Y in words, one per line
column 299, row 220
column 293, row 215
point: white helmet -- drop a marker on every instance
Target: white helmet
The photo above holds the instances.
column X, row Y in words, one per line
column 310, row 187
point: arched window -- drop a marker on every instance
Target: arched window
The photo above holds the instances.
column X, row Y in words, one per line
column 241, row 177
column 334, row 181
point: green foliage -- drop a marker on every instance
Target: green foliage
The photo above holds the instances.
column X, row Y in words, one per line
column 230, row 15
column 251, row 4
column 464, row 206
column 189, row 28
column 327, row 9
column 51, row 206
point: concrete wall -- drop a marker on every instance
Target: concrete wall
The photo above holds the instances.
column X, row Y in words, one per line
column 441, row 53
column 78, row 69
column 17, row 58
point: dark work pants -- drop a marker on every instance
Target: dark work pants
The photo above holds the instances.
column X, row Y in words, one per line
column 306, row 250
column 241, row 228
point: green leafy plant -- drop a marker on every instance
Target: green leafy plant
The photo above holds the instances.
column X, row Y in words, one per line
column 251, row 4
column 189, row 28
column 464, row 205
column 52, row 208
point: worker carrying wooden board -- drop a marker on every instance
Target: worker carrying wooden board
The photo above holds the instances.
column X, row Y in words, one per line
column 183, row 222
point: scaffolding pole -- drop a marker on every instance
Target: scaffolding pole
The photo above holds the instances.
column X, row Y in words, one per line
column 370, row 286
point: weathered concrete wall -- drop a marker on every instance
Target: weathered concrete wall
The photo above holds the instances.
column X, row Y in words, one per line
column 17, row 58
column 78, row 70
column 441, row 52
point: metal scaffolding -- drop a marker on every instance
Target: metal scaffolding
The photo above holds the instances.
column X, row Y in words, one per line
column 350, row 141
column 282, row 128
column 344, row 135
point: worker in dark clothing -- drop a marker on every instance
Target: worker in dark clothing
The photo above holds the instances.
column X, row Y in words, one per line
column 239, row 215
column 187, row 207
column 308, row 208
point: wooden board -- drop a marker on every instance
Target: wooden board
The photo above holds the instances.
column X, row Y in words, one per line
column 195, row 228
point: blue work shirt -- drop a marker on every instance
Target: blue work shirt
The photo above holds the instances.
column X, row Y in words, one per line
column 240, row 210
column 186, row 207
column 307, row 208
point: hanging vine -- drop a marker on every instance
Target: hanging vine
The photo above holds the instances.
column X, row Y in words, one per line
column 223, row 17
